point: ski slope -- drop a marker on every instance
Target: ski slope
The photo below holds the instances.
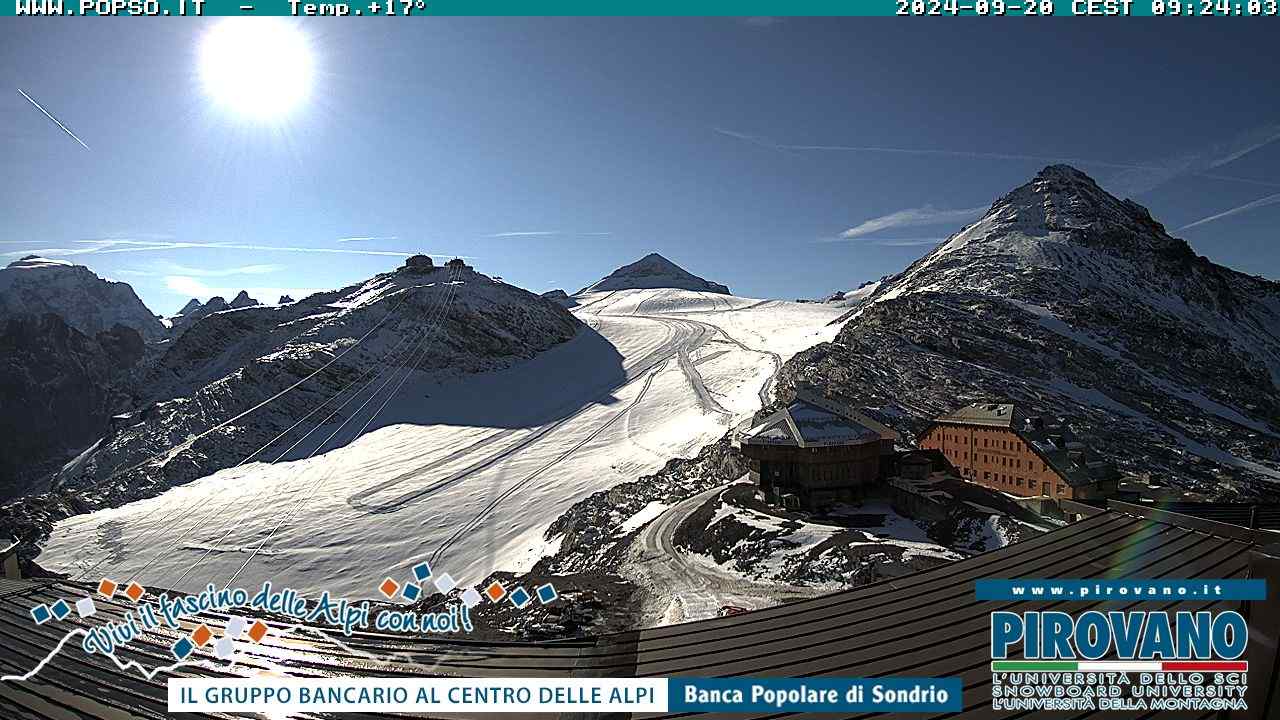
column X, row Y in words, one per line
column 467, row 473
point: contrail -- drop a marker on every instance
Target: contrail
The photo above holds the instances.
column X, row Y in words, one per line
column 49, row 115
column 1260, row 202
column 1172, row 171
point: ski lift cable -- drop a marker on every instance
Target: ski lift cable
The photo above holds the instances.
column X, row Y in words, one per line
column 407, row 293
column 228, row 526
column 212, row 507
column 302, row 501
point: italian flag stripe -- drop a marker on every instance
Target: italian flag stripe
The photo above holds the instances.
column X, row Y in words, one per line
column 1117, row 666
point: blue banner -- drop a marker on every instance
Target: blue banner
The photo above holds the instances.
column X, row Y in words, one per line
column 896, row 694
column 1120, row 590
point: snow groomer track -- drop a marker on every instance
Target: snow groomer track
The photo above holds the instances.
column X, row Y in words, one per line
column 925, row 624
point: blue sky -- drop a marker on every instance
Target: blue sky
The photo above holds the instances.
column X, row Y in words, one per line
column 785, row 159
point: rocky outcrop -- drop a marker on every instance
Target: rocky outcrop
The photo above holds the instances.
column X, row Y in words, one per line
column 59, row 388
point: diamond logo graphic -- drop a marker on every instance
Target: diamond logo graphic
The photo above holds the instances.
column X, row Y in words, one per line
column 388, row 588
column 445, row 583
column 134, row 591
column 520, row 598
column 495, row 591
column 470, row 597
column 224, row 648
column 421, row 572
column 183, row 649
column 85, row 607
column 411, row 592
column 107, row 588
column 60, row 609
column 201, row 635
column 41, row 614
column 235, row 628
column 258, row 631
column 546, row 593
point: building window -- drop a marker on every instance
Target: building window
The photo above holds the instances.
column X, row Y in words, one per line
column 1019, row 482
column 986, row 474
column 1031, row 483
column 1061, row 490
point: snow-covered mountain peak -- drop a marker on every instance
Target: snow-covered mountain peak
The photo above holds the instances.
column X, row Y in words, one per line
column 1063, row 200
column 35, row 285
column 654, row 271
column 1062, row 239
column 35, row 261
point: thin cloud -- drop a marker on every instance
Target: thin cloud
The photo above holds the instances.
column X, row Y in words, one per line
column 196, row 288
column 56, row 121
column 546, row 233
column 911, row 217
column 164, row 267
column 367, row 238
column 121, row 245
column 1247, row 207
column 890, row 242
column 906, row 242
column 1135, row 178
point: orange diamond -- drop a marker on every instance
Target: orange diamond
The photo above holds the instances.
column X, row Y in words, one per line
column 107, row 588
column 201, row 635
column 258, row 631
column 134, row 591
column 495, row 591
column 389, row 588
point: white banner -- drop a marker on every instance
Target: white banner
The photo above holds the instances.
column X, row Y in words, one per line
column 476, row 695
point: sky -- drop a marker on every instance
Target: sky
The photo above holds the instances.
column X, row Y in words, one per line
column 784, row 157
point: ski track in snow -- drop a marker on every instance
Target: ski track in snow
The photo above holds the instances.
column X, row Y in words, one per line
column 478, row 492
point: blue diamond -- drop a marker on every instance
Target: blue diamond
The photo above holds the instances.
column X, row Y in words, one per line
column 546, row 593
column 40, row 614
column 60, row 609
column 520, row 597
column 182, row 649
column 421, row 572
column 411, row 592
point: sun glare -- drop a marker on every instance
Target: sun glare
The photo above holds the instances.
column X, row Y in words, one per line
column 258, row 68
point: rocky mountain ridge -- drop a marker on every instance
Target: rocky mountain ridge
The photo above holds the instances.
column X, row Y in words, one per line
column 35, row 286
column 654, row 271
column 1081, row 305
column 455, row 320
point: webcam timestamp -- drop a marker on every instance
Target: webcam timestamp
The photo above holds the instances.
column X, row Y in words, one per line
column 1122, row 8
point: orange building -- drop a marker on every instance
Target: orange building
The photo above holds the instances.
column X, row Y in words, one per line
column 994, row 445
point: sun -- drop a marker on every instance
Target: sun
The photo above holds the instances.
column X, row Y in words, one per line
column 257, row 68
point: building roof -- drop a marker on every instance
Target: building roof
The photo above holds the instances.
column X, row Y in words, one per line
column 926, row 624
column 816, row 421
column 994, row 414
column 1053, row 443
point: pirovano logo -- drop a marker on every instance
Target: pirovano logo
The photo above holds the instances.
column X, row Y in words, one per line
column 1124, row 659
